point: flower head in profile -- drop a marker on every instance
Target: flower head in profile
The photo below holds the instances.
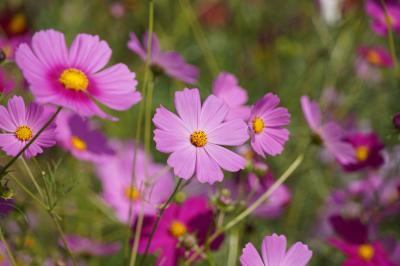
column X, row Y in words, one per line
column 74, row 77
column 6, row 84
column 152, row 183
column 226, row 87
column 266, row 123
column 195, row 137
column 20, row 124
column 82, row 245
column 181, row 226
column 368, row 149
column 329, row 134
column 77, row 135
column 380, row 23
column 274, row 253
column 170, row 63
column 376, row 56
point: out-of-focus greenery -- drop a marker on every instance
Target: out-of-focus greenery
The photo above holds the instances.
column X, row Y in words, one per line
column 279, row 46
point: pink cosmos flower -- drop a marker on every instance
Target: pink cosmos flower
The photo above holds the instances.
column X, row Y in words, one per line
column 150, row 188
column 73, row 77
column 368, row 150
column 169, row 62
column 226, row 87
column 376, row 11
column 6, row 84
column 195, row 137
column 330, row 134
column 78, row 136
column 20, row 123
column 274, row 253
column 376, row 56
column 82, row 245
column 180, row 227
column 266, row 124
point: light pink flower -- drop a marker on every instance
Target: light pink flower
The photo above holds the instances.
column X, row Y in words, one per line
column 330, row 134
column 195, row 137
column 226, row 87
column 72, row 77
column 274, row 253
column 152, row 182
column 266, row 124
column 20, row 124
column 169, row 62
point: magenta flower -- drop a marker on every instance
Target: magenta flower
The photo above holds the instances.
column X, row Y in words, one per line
column 78, row 136
column 169, row 62
column 4, row 259
column 266, row 124
column 188, row 224
column 195, row 137
column 330, row 134
column 227, row 88
column 150, row 188
column 6, row 84
column 82, row 245
column 379, row 23
column 20, row 124
column 376, row 56
column 274, row 253
column 368, row 150
column 73, row 77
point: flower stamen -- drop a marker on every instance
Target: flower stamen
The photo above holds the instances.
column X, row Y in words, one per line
column 24, row 133
column 132, row 193
column 177, row 229
column 198, row 138
column 74, row 79
column 362, row 153
column 78, row 143
column 366, row 252
column 258, row 125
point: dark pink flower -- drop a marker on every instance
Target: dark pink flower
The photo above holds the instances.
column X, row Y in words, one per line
column 376, row 56
column 169, row 62
column 368, row 149
column 376, row 11
column 6, row 84
column 180, row 227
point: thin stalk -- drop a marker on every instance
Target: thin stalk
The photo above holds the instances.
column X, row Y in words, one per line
column 62, row 235
column 30, row 174
column 233, row 247
column 200, row 37
column 140, row 119
column 153, row 230
column 9, row 253
column 252, row 207
column 27, row 191
column 390, row 39
column 12, row 161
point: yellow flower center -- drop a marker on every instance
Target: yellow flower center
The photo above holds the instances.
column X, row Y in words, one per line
column 258, row 125
column 373, row 57
column 17, row 24
column 362, row 153
column 177, row 229
column 249, row 155
column 198, row 138
column 7, row 50
column 78, row 143
column 366, row 252
column 132, row 193
column 24, row 133
column 74, row 79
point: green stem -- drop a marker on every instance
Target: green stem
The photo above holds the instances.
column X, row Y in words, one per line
column 62, row 235
column 233, row 247
column 200, row 37
column 12, row 161
column 153, row 230
column 254, row 206
column 30, row 174
column 139, row 124
column 9, row 253
column 27, row 191
column 391, row 44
